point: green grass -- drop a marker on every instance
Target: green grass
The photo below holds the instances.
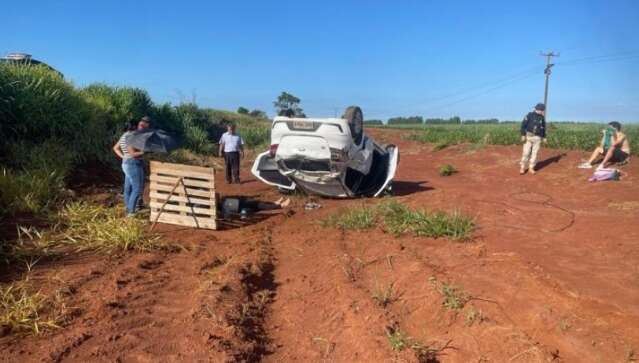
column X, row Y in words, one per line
column 397, row 339
column 447, row 170
column 398, row 219
column 454, row 297
column 358, row 218
column 570, row 136
column 256, row 136
column 32, row 191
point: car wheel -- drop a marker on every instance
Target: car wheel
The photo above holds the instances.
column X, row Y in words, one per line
column 355, row 118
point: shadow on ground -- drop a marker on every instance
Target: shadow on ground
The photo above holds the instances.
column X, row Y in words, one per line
column 402, row 188
column 544, row 163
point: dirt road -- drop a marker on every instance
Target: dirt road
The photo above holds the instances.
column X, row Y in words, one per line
column 551, row 275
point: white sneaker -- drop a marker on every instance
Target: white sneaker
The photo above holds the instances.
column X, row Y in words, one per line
column 585, row 165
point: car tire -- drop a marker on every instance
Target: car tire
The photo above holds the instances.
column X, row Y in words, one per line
column 355, row 118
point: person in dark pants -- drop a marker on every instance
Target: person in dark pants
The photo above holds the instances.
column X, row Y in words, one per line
column 232, row 147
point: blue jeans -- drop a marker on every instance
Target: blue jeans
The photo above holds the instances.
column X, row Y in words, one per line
column 133, row 183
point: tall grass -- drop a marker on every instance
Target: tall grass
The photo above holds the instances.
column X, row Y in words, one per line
column 31, row 191
column 49, row 126
column 573, row 136
column 256, row 136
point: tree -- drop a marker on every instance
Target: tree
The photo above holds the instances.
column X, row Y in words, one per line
column 405, row 120
column 288, row 105
column 242, row 110
column 258, row 114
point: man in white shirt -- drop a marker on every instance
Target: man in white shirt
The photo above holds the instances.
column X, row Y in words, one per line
column 231, row 146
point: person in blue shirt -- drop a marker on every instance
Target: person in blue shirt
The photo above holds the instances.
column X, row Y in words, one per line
column 232, row 147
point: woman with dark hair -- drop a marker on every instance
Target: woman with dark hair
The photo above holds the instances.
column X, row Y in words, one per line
column 614, row 147
column 133, row 168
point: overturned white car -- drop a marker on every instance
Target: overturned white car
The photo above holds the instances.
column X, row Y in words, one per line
column 331, row 157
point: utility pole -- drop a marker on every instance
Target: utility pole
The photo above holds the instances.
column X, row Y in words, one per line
column 547, row 72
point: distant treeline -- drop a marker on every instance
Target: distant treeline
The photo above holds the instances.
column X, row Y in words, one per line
column 373, row 122
column 419, row 120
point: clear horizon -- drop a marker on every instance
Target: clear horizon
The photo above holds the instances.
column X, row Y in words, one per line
column 430, row 59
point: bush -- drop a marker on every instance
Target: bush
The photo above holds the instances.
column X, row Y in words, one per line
column 38, row 105
column 256, row 137
column 447, row 170
column 30, row 191
column 48, row 127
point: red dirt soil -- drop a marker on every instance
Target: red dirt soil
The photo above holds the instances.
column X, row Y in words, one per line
column 551, row 275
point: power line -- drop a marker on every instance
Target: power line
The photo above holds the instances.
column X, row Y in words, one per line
column 489, row 90
column 602, row 58
column 486, row 84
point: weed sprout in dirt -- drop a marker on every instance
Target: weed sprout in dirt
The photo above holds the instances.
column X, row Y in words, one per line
column 447, row 170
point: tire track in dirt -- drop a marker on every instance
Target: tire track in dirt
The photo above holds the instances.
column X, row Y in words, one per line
column 318, row 314
column 165, row 307
column 243, row 296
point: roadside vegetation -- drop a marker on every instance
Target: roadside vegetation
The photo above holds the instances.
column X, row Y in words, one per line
column 569, row 136
column 398, row 219
column 50, row 128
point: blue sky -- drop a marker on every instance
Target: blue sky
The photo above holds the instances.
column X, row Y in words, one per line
column 428, row 58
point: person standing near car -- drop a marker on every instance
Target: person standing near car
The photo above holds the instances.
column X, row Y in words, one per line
column 232, row 147
column 533, row 133
column 132, row 166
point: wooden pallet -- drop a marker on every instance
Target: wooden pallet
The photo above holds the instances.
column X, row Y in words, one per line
column 183, row 195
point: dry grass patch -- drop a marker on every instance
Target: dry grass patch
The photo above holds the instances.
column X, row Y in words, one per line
column 95, row 227
column 26, row 310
